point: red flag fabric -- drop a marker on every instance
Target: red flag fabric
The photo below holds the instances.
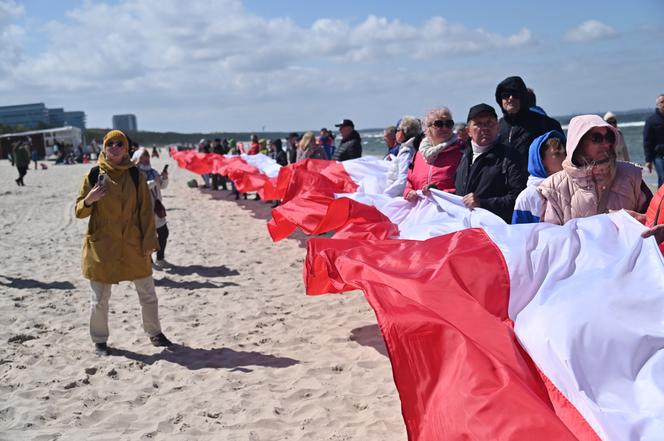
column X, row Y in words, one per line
column 307, row 188
column 457, row 365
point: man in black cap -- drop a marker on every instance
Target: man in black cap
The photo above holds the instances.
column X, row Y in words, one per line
column 490, row 175
column 350, row 146
column 519, row 125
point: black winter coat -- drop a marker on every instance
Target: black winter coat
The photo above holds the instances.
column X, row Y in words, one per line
column 349, row 148
column 518, row 131
column 653, row 136
column 496, row 177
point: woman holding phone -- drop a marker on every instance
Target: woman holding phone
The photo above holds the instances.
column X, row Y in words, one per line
column 121, row 237
column 156, row 183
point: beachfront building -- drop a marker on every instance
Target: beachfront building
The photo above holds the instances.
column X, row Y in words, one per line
column 126, row 123
column 38, row 116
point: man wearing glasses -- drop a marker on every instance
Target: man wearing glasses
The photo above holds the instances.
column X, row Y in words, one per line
column 519, row 125
column 489, row 175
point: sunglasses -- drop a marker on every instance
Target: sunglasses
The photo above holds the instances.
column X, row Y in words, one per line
column 598, row 138
column 442, row 123
column 112, row 144
column 508, row 93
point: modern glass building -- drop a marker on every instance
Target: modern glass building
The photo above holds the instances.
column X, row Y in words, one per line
column 125, row 122
column 37, row 115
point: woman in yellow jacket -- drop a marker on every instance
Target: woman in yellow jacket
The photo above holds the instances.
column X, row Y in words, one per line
column 120, row 239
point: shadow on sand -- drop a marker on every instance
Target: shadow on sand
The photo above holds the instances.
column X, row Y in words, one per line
column 165, row 282
column 15, row 282
column 369, row 336
column 216, row 358
column 203, row 271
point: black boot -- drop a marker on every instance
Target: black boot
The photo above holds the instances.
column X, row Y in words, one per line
column 102, row 349
column 160, row 340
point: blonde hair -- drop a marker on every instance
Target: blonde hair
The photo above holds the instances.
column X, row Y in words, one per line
column 308, row 140
column 437, row 113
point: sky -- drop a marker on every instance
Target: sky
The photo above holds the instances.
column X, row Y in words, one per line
column 254, row 65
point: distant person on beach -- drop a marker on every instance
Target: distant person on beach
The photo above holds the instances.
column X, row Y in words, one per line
column 217, row 179
column 390, row 138
column 520, row 125
column 155, row 152
column 254, row 146
column 438, row 156
column 204, row 147
column 545, row 158
column 622, row 152
column 291, row 147
column 308, row 149
column 326, row 140
column 592, row 180
column 277, row 152
column 409, row 136
column 21, row 158
column 490, row 174
column 350, row 146
column 653, row 140
column 35, row 157
column 461, row 131
column 121, row 237
column 156, row 182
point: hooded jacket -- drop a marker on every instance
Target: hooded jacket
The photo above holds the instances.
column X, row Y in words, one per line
column 349, row 148
column 519, row 130
column 576, row 191
column 496, row 177
column 121, row 227
column 398, row 171
column 528, row 207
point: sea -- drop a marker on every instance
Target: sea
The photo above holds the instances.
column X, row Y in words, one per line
column 630, row 124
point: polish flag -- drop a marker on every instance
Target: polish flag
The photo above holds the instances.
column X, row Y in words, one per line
column 249, row 173
column 513, row 332
column 308, row 187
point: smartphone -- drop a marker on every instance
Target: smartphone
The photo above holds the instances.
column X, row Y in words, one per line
column 165, row 168
column 101, row 181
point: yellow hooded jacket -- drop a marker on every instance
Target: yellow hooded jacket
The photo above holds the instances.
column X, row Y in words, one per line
column 121, row 227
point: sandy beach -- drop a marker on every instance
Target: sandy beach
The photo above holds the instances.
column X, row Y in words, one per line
column 257, row 359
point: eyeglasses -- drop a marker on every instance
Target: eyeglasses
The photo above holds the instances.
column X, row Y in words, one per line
column 598, row 138
column 112, row 144
column 508, row 93
column 442, row 123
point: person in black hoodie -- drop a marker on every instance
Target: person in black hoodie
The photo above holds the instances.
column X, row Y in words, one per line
column 350, row 146
column 519, row 125
column 490, row 174
column 653, row 141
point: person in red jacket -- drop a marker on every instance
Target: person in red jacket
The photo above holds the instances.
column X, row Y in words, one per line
column 654, row 218
column 437, row 158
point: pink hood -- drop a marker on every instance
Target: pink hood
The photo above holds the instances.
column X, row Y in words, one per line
column 579, row 126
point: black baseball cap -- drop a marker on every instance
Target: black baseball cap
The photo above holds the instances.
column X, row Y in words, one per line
column 345, row 123
column 481, row 108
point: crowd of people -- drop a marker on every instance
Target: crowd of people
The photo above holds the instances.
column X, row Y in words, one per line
column 519, row 165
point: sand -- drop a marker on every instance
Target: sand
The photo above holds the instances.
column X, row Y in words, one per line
column 257, row 359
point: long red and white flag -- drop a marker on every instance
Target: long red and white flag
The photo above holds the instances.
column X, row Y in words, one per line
column 307, row 188
column 512, row 332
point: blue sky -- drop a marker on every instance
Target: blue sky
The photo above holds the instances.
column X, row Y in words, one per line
column 292, row 65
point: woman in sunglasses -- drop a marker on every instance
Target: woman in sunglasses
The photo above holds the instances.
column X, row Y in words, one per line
column 592, row 180
column 438, row 156
column 121, row 237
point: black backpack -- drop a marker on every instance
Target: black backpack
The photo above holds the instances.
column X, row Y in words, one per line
column 93, row 176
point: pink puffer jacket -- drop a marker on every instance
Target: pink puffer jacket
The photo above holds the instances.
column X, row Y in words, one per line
column 575, row 191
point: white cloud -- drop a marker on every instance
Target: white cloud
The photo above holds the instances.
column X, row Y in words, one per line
column 590, row 30
column 155, row 53
column 11, row 35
